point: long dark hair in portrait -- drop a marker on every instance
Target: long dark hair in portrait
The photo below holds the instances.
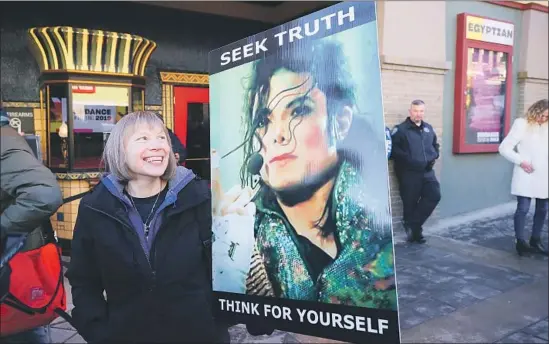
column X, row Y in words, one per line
column 326, row 64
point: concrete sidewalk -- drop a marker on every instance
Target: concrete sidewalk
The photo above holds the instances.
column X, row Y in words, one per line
column 466, row 284
column 469, row 285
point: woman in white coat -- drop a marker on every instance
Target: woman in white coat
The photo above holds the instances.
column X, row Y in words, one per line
column 526, row 147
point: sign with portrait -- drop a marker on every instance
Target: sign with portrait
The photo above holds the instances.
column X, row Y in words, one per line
column 300, row 191
column 483, row 84
column 21, row 118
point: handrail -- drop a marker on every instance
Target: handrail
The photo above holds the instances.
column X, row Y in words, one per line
column 197, row 159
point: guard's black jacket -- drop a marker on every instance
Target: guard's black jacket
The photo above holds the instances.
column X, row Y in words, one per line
column 415, row 148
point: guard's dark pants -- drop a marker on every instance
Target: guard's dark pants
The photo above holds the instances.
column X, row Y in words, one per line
column 420, row 194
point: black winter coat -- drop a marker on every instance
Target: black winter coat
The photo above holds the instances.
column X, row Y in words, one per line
column 166, row 299
column 414, row 147
column 178, row 147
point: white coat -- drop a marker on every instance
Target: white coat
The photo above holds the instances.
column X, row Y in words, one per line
column 528, row 142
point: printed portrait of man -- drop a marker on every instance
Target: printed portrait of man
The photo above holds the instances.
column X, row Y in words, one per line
column 316, row 237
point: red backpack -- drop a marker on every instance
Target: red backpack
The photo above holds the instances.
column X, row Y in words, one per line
column 35, row 292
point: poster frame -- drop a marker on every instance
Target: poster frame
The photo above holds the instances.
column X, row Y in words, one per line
column 460, row 146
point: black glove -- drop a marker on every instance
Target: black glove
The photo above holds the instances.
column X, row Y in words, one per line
column 258, row 328
column 430, row 165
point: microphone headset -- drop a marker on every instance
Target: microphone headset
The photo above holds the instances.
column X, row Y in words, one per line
column 255, row 163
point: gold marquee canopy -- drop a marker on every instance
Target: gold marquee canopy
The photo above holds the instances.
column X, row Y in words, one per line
column 63, row 48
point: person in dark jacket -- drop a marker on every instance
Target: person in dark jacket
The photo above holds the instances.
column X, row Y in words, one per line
column 388, row 142
column 137, row 239
column 29, row 195
column 415, row 150
column 178, row 148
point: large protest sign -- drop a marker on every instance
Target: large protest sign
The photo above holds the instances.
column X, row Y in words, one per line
column 301, row 211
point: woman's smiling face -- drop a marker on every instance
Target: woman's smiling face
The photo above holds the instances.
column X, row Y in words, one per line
column 294, row 130
column 147, row 150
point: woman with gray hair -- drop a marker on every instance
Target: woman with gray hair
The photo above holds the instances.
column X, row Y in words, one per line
column 139, row 271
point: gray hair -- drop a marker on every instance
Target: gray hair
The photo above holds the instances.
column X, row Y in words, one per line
column 114, row 154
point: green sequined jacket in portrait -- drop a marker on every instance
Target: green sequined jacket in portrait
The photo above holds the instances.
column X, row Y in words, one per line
column 362, row 274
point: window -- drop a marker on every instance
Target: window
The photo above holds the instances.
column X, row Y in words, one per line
column 95, row 109
column 58, row 131
column 137, row 100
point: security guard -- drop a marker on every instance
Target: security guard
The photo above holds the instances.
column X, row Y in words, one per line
column 414, row 151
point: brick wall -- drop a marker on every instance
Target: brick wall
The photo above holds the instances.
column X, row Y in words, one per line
column 530, row 91
column 402, row 84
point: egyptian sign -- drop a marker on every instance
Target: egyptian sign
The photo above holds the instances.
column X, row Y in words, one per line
column 300, row 197
column 488, row 30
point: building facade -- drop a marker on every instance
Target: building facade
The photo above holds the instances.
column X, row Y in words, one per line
column 91, row 60
column 419, row 61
